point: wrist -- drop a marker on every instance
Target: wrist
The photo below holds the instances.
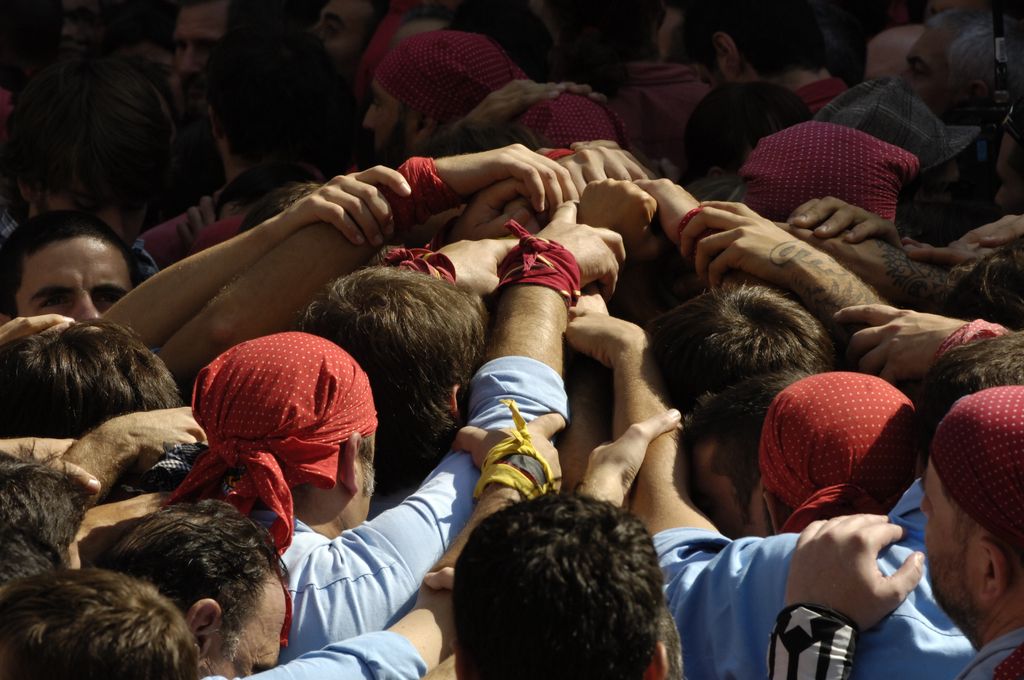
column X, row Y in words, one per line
column 605, row 481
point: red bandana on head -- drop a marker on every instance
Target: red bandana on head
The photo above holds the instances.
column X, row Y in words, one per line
column 814, row 160
column 976, row 452
column 276, row 411
column 446, row 74
column 838, row 443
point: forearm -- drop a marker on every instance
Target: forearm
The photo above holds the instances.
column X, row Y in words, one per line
column 107, row 453
column 661, row 499
column 903, row 281
column 430, row 627
column 446, row 671
column 166, row 302
column 821, row 283
column 530, row 322
column 265, row 299
column 494, row 498
column 590, row 402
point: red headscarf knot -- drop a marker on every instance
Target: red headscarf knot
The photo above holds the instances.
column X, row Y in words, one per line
column 838, row 443
column 277, row 411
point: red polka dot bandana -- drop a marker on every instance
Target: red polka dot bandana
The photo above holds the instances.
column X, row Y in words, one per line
column 836, row 444
column 977, row 452
column 446, row 74
column 276, row 411
column 814, row 160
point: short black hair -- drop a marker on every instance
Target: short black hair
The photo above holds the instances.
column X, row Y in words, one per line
column 729, row 334
column 40, row 501
column 310, row 113
column 192, row 551
column 729, row 121
column 96, row 125
column 773, row 37
column 31, row 29
column 25, row 555
column 512, row 25
column 61, row 384
column 44, row 230
column 559, row 587
column 733, row 418
column 139, row 21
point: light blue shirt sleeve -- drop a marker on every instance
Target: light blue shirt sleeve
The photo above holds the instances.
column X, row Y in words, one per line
column 367, row 578
column 374, row 656
column 725, row 596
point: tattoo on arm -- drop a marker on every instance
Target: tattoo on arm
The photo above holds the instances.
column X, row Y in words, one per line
column 917, row 282
column 823, row 285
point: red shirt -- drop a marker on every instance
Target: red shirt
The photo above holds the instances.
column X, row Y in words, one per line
column 818, row 94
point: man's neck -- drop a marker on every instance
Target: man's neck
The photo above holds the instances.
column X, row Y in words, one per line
column 1004, row 619
column 797, row 78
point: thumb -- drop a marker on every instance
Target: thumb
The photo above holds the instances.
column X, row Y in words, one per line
column 440, row 580
column 472, row 440
column 906, row 578
column 566, row 212
column 546, row 426
column 654, row 427
column 381, row 176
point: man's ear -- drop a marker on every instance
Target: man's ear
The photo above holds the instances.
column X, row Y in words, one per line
column 659, row 666
column 419, row 128
column 215, row 124
column 30, row 193
column 993, row 565
column 347, row 463
column 730, row 61
column 204, row 620
column 977, row 89
column 453, row 404
column 778, row 511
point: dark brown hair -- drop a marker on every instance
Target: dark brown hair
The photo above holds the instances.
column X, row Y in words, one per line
column 416, row 337
column 93, row 625
column 724, row 336
column 991, row 288
column 95, row 125
column 62, row 384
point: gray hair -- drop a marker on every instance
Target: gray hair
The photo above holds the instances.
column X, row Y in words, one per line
column 971, row 53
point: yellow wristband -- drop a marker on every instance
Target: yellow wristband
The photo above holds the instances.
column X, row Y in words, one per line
column 519, row 442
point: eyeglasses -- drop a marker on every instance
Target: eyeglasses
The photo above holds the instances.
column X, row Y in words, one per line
column 1014, row 121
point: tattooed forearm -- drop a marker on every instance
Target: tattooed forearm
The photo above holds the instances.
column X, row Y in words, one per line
column 913, row 282
column 823, row 285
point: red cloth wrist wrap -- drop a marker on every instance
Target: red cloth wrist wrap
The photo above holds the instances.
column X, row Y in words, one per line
column 557, row 154
column 978, row 329
column 539, row 262
column 422, row 260
column 430, row 195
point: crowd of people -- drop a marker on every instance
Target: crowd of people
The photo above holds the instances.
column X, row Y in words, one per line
column 509, row 339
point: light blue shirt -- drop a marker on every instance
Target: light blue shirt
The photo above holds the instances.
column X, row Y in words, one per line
column 983, row 666
column 367, row 578
column 725, row 596
column 374, row 656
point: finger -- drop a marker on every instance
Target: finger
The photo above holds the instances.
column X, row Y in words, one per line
column 578, row 179
column 385, row 177
column 83, row 479
column 836, row 224
column 810, row 532
column 374, row 203
column 941, row 256
column 997, row 240
column 868, row 315
column 655, row 426
column 864, row 341
column 440, row 580
column 360, row 215
column 710, row 248
column 594, row 171
column 207, row 210
column 722, row 265
column 566, row 212
column 738, row 209
column 546, row 426
column 24, row 326
column 865, row 230
column 708, row 218
column 906, row 578
column 472, row 440
column 807, row 215
column 874, row 361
